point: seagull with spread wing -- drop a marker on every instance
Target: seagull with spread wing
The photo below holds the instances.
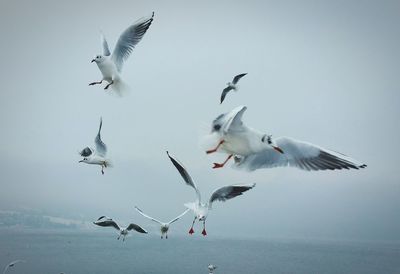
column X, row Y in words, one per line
column 109, row 64
column 231, row 86
column 105, row 221
column 96, row 156
column 253, row 149
column 221, row 194
column 164, row 226
column 12, row 264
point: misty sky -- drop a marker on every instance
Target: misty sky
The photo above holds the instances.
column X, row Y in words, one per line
column 326, row 72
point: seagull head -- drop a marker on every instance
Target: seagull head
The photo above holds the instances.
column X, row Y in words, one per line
column 217, row 123
column 98, row 59
column 268, row 140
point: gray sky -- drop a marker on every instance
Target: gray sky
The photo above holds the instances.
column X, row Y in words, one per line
column 318, row 71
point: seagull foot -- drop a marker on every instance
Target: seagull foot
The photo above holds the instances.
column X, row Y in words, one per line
column 102, row 172
column 204, row 232
column 211, row 151
column 217, row 165
column 191, row 231
column 95, row 83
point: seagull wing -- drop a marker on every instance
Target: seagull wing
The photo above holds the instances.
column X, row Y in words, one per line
column 228, row 192
column 178, row 217
column 186, row 177
column 105, row 222
column 104, row 44
column 11, row 264
column 225, row 92
column 298, row 154
column 136, row 227
column 237, row 78
column 233, row 120
column 129, row 39
column 147, row 216
column 101, row 147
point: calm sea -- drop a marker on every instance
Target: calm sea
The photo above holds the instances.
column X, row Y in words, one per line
column 101, row 253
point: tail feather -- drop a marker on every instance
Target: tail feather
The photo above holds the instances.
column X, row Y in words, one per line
column 119, row 87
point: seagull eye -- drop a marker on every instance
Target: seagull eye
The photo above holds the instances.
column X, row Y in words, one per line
column 217, row 127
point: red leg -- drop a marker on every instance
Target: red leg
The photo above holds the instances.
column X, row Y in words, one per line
column 96, row 83
column 191, row 231
column 217, row 165
column 204, row 232
column 216, row 148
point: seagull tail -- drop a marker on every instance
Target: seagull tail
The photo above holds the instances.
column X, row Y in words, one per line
column 109, row 163
column 120, row 88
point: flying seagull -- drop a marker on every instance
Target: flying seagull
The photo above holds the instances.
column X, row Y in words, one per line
column 211, row 268
column 12, row 264
column 96, row 156
column 109, row 64
column 231, row 86
column 201, row 209
column 164, row 226
column 106, row 221
column 253, row 149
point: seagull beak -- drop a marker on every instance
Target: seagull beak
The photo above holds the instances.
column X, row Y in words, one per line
column 92, row 61
column 278, row 149
column 80, row 161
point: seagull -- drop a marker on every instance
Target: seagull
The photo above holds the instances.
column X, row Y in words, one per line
column 254, row 150
column 12, row 264
column 109, row 64
column 96, row 156
column 211, row 268
column 231, row 86
column 164, row 226
column 222, row 194
column 106, row 221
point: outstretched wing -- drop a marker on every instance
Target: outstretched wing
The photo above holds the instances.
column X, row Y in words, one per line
column 136, row 227
column 178, row 217
column 233, row 120
column 129, row 39
column 106, row 222
column 228, row 192
column 186, row 177
column 87, row 151
column 225, row 92
column 237, row 78
column 298, row 154
column 147, row 216
column 104, row 44
column 101, row 147
column 11, row 264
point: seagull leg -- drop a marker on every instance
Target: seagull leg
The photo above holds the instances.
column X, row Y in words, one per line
column 96, row 83
column 102, row 169
column 166, row 236
column 119, row 236
column 217, row 165
column 191, row 231
column 216, row 148
column 112, row 82
column 204, row 229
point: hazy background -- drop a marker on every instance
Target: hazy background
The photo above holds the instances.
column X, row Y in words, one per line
column 318, row 71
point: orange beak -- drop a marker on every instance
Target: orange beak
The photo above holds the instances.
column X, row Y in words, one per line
column 278, row 149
